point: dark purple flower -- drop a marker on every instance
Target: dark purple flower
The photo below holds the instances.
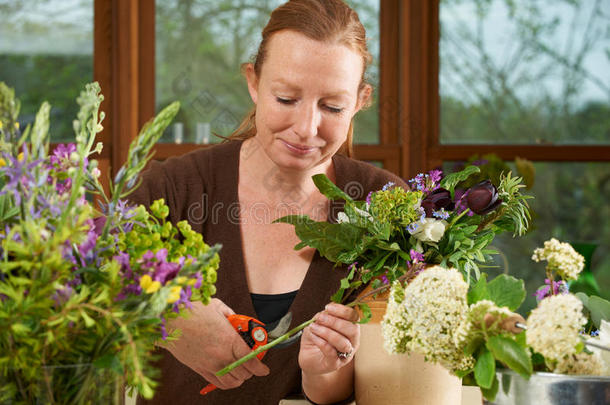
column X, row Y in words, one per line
column 483, row 198
column 437, row 199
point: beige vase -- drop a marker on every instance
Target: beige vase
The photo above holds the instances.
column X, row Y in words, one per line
column 384, row 379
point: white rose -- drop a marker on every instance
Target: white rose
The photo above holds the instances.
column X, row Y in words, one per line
column 430, row 229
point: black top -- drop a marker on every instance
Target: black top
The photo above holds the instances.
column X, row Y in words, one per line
column 270, row 308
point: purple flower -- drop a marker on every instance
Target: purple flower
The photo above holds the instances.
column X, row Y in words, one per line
column 185, row 299
column 483, row 198
column 20, row 176
column 427, row 182
column 368, row 197
column 62, row 295
column 416, row 256
column 163, row 329
column 559, row 287
column 62, row 153
column 436, row 200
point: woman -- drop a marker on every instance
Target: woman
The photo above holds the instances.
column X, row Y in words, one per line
column 307, row 83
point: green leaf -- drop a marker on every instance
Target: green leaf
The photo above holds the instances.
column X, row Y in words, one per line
column 366, row 312
column 20, row 329
column 478, row 291
column 599, row 309
column 451, row 180
column 331, row 240
column 89, row 322
column 511, row 354
column 485, row 369
column 490, row 394
column 109, row 361
column 329, row 189
column 506, row 291
column 472, row 346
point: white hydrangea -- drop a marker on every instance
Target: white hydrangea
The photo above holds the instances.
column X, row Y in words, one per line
column 479, row 312
column 395, row 322
column 553, row 327
column 425, row 317
column 580, row 364
column 562, row 259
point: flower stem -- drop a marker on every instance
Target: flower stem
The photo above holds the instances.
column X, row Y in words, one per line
column 264, row 348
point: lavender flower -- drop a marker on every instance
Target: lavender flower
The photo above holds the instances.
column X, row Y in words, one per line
column 559, row 287
column 427, row 183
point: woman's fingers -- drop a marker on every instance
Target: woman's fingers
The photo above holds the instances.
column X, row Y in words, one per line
column 342, row 311
column 338, row 341
column 328, row 350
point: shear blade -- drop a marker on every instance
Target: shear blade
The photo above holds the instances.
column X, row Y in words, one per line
column 292, row 339
column 282, row 326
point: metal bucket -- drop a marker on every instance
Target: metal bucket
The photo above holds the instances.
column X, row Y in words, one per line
column 551, row 389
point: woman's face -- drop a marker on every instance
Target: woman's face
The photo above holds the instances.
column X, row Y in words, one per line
column 305, row 96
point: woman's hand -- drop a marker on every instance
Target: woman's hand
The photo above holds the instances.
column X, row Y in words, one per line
column 208, row 343
column 334, row 331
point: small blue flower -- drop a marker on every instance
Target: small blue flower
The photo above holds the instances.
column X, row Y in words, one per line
column 388, row 186
column 440, row 214
column 412, row 228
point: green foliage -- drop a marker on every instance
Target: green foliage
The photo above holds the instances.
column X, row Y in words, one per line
column 511, row 354
column 598, row 308
column 78, row 298
column 504, row 291
column 485, row 369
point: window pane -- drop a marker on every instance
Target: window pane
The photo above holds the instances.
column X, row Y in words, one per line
column 200, row 46
column 571, row 204
column 525, row 72
column 46, row 53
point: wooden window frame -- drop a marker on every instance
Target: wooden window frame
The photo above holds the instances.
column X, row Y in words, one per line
column 409, row 99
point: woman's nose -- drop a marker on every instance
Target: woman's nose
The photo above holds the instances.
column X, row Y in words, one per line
column 307, row 120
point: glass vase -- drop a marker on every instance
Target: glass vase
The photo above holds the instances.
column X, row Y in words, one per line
column 75, row 384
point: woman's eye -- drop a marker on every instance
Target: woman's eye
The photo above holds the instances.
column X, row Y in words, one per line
column 334, row 110
column 287, row 101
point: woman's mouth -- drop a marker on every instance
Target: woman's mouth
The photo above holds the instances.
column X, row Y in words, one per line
column 299, row 149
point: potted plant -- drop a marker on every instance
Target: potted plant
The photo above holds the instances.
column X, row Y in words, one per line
column 84, row 291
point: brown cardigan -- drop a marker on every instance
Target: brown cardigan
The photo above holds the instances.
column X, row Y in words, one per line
column 202, row 187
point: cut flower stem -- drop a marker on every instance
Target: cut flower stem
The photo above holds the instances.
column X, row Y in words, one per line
column 293, row 331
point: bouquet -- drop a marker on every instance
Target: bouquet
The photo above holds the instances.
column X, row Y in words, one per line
column 396, row 232
column 472, row 331
column 84, row 289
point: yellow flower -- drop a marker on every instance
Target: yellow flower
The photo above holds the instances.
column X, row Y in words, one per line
column 0, row 124
column 148, row 285
column 16, row 125
column 2, row 162
column 174, row 294
column 181, row 280
column 20, row 156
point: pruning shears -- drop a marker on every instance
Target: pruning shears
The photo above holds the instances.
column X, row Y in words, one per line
column 257, row 334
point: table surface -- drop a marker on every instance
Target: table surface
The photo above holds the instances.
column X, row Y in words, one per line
column 470, row 396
